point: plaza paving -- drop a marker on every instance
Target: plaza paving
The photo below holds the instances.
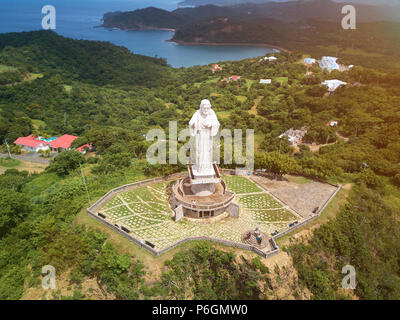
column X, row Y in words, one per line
column 145, row 211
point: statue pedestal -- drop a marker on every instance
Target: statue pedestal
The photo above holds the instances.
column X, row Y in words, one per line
column 203, row 189
column 202, row 183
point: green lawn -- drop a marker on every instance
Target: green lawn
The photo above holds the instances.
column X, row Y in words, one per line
column 281, row 80
column 223, row 114
column 259, row 201
column 9, row 163
column 240, row 185
column 67, row 88
column 4, row 68
column 241, row 98
column 298, row 179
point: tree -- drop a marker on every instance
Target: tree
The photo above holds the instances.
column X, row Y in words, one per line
column 370, row 179
column 275, row 163
column 397, row 179
column 13, row 207
column 66, row 161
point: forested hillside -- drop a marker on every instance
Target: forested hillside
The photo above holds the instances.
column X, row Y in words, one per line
column 374, row 45
column 111, row 97
column 94, row 62
column 283, row 11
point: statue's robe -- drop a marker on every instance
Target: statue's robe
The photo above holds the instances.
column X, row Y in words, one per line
column 204, row 140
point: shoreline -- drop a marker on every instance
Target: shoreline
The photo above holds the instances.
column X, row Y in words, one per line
column 184, row 43
column 135, row 29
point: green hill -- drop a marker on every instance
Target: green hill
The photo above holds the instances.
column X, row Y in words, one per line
column 87, row 61
column 147, row 18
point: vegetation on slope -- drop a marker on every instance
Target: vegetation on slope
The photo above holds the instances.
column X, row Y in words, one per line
column 95, row 62
column 37, row 211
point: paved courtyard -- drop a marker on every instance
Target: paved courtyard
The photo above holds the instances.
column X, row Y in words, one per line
column 301, row 197
column 145, row 211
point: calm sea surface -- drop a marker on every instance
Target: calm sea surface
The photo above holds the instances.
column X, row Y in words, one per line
column 78, row 19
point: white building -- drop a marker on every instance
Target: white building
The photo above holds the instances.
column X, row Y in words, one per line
column 333, row 84
column 309, row 61
column 329, row 63
column 272, row 58
column 295, row 137
column 32, row 143
column 265, row 81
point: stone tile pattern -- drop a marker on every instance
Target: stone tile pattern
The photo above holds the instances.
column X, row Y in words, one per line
column 145, row 211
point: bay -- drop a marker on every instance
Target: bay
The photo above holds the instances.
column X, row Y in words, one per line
column 80, row 20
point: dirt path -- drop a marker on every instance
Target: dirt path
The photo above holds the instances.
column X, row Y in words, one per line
column 342, row 137
column 257, row 101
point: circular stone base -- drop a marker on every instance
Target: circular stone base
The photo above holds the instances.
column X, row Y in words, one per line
column 199, row 201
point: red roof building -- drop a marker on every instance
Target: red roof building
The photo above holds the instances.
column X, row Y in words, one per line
column 215, row 67
column 82, row 148
column 33, row 143
column 63, row 142
column 30, row 142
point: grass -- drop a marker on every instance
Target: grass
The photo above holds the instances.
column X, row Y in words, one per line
column 4, row 68
column 31, row 167
column 248, row 83
column 240, row 185
column 272, row 215
column 241, row 98
column 40, row 184
column 281, row 80
column 253, row 110
column 213, row 80
column 258, row 138
column 67, row 88
column 223, row 114
column 34, row 76
column 9, row 163
column 298, row 179
column 259, row 201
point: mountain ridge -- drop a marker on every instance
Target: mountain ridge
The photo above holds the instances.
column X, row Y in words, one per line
column 292, row 11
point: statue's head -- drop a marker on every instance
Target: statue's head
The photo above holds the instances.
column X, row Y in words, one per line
column 205, row 107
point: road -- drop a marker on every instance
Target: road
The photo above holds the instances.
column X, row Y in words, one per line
column 28, row 158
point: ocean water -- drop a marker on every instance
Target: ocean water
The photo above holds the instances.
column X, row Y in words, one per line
column 79, row 19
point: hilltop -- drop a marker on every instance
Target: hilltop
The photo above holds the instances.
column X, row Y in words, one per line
column 43, row 219
column 87, row 61
column 292, row 11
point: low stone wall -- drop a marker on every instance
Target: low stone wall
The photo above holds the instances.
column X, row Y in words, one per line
column 176, row 244
column 93, row 208
column 304, row 222
column 123, row 233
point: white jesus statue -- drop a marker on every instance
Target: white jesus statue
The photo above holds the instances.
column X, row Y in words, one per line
column 204, row 126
